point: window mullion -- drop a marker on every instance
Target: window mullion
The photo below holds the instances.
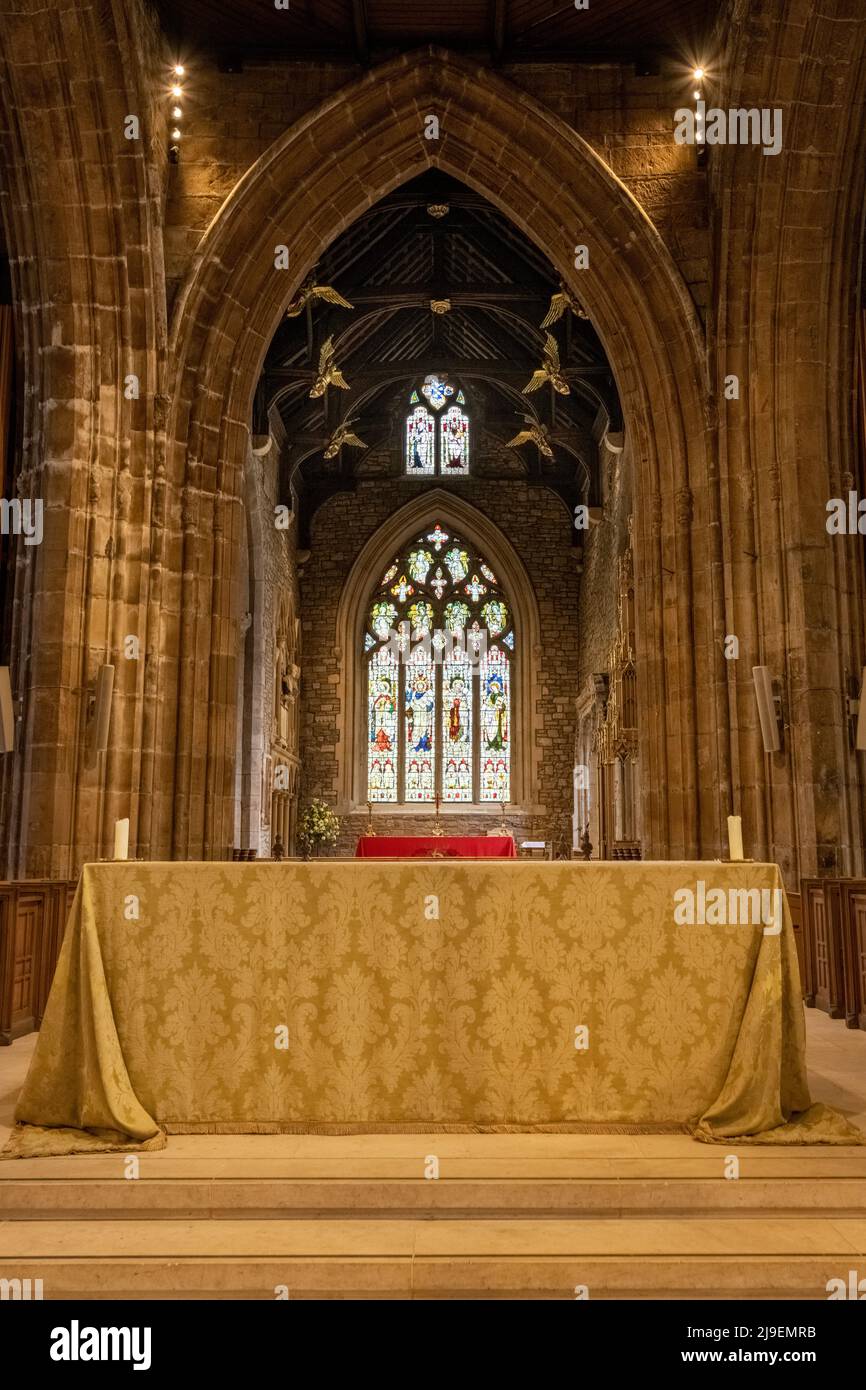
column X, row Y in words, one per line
column 475, row 677
column 401, row 730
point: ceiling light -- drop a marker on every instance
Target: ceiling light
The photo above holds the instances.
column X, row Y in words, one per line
column 175, row 135
column 698, row 74
column 177, row 91
column 177, row 113
column 179, row 69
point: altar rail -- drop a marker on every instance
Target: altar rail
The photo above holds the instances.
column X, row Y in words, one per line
column 32, row 922
column 834, row 947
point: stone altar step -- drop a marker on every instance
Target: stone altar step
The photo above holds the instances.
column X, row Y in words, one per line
column 348, row 1196
column 686, row 1257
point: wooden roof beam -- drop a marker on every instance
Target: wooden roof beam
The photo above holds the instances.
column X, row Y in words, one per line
column 359, row 24
column 498, row 21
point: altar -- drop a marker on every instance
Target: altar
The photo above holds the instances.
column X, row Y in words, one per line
column 371, row 996
column 435, row 847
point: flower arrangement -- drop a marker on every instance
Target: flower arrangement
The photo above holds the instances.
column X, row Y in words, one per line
column 319, row 826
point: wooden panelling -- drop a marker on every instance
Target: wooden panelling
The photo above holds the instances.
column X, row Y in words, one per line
column 32, row 921
column 834, row 947
column 853, row 904
column 823, row 946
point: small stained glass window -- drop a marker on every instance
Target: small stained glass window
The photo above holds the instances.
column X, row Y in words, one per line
column 420, row 442
column 437, row 390
column 454, row 441
column 437, row 439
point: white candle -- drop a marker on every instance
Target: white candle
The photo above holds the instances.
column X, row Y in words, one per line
column 735, row 837
column 121, row 838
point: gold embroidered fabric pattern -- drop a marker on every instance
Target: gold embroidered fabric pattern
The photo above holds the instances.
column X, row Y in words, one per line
column 399, row 1018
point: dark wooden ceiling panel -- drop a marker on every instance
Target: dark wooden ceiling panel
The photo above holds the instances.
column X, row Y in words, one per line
column 390, row 264
column 513, row 30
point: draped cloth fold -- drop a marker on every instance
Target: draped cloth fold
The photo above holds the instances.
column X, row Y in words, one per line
column 341, row 997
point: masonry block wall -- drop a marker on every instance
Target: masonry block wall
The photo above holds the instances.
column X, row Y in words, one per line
column 538, row 527
column 231, row 119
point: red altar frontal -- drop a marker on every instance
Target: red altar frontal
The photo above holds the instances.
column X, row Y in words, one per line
column 435, row 847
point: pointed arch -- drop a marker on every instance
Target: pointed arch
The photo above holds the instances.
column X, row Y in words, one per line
column 313, row 182
column 454, row 512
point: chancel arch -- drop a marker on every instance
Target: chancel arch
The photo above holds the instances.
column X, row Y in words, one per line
column 315, row 181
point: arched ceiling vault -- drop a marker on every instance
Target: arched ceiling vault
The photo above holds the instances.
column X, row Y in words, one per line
column 432, row 241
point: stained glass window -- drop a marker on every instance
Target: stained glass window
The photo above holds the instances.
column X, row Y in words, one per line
column 458, row 563
column 437, row 390
column 382, row 686
column 419, row 564
column 495, row 726
column 454, row 441
column 420, row 436
column 437, row 442
column 421, row 618
column 420, row 696
column 439, row 646
column 495, row 616
column 457, row 683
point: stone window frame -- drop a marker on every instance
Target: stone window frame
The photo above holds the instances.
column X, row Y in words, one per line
column 399, row 530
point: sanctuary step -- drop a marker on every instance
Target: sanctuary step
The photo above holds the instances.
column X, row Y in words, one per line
column 510, row 1215
column 685, row 1258
column 356, row 1188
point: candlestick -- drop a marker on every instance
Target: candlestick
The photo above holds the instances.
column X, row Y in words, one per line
column 735, row 837
column 121, row 838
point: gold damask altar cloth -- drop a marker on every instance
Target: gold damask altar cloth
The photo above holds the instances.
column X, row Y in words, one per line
column 427, row 995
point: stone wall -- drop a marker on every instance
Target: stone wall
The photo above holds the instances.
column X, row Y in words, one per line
column 538, row 527
column 230, row 119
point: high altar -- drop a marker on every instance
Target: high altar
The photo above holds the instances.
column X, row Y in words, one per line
column 348, row 996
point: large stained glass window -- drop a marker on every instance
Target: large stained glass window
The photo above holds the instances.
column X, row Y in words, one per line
column 437, row 439
column 439, row 646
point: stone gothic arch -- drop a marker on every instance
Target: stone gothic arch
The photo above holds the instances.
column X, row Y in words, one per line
column 312, row 183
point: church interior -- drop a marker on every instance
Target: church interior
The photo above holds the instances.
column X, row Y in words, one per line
column 433, row 650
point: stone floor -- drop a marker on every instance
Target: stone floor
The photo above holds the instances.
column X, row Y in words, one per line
column 528, row 1216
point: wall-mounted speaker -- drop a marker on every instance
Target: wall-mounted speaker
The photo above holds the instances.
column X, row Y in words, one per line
column 102, row 709
column 860, row 738
column 767, row 708
column 7, row 713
